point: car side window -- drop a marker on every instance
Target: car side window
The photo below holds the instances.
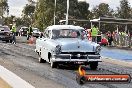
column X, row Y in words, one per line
column 47, row 34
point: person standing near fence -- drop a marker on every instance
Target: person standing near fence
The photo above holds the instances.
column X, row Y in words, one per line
column 94, row 33
column 116, row 38
column 110, row 38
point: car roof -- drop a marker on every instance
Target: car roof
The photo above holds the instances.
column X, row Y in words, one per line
column 24, row 27
column 57, row 27
column 5, row 26
column 34, row 28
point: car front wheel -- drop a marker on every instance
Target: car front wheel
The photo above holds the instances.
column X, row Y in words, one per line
column 53, row 64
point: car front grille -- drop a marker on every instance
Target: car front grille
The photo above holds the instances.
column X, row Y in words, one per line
column 82, row 53
column 76, row 57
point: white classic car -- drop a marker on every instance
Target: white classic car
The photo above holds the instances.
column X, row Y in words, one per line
column 66, row 44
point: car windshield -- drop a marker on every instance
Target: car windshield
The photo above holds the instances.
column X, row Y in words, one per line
column 25, row 29
column 65, row 33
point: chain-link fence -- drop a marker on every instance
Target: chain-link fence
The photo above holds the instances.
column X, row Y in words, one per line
column 121, row 40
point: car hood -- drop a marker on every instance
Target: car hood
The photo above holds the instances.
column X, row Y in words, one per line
column 76, row 45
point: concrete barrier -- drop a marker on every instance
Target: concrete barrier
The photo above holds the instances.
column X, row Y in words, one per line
column 12, row 79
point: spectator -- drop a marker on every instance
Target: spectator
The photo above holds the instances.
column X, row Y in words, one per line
column 110, row 38
column 13, row 30
column 29, row 32
column 94, row 33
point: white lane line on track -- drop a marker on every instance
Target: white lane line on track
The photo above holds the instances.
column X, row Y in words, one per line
column 12, row 79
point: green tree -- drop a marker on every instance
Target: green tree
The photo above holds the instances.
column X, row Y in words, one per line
column 31, row 1
column 3, row 7
column 28, row 13
column 83, row 11
column 102, row 9
column 44, row 12
column 8, row 20
column 124, row 11
column 77, row 10
column 29, row 10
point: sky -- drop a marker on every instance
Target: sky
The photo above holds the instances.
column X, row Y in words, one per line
column 16, row 6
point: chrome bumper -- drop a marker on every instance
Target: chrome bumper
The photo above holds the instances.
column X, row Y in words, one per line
column 78, row 58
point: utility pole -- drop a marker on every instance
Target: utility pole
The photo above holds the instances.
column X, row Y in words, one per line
column 55, row 12
column 67, row 12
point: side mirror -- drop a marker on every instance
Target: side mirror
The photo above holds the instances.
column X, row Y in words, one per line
column 41, row 35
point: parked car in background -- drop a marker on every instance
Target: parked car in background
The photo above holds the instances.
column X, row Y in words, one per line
column 23, row 31
column 64, row 44
column 36, row 33
column 5, row 34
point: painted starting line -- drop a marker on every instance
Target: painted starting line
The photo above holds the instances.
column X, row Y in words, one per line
column 12, row 79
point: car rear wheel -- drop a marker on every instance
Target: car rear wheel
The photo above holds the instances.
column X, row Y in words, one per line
column 93, row 65
column 10, row 41
column 7, row 41
column 41, row 60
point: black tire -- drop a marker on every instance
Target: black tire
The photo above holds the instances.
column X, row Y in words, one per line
column 10, row 41
column 38, row 53
column 93, row 65
column 37, row 36
column 53, row 64
column 41, row 60
column 7, row 41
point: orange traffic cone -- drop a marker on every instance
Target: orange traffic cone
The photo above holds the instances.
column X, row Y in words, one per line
column 31, row 40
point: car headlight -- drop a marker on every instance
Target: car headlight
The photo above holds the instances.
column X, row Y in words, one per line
column 58, row 49
column 98, row 49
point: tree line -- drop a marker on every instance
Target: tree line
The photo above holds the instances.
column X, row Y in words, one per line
column 41, row 13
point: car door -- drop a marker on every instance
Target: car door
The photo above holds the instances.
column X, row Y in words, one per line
column 39, row 42
column 45, row 47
